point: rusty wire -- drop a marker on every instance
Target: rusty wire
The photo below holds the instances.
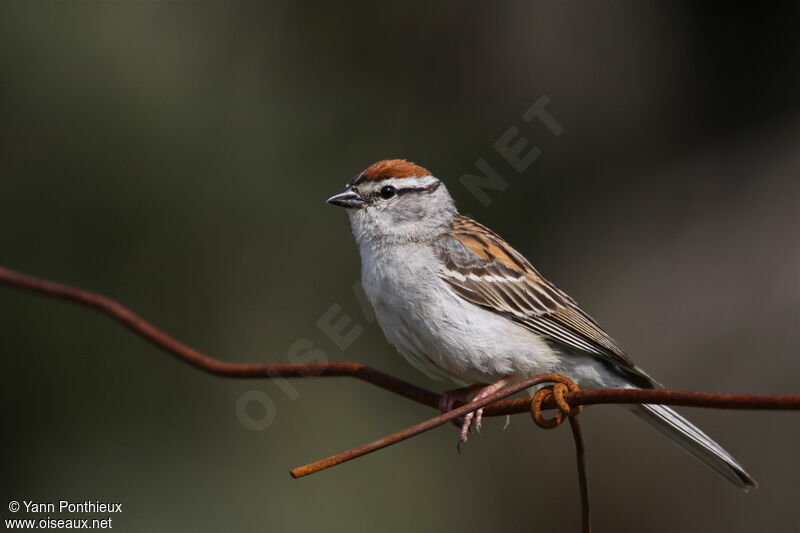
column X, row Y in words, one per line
column 561, row 385
column 561, row 396
column 370, row 375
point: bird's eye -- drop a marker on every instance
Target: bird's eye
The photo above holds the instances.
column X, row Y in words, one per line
column 387, row 192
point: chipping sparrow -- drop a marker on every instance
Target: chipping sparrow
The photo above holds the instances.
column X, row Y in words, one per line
column 460, row 304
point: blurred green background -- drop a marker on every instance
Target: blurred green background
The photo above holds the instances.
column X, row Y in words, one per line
column 176, row 156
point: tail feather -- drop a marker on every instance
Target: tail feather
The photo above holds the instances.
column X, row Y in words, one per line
column 694, row 441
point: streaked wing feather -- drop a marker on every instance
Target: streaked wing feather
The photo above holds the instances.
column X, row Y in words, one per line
column 483, row 269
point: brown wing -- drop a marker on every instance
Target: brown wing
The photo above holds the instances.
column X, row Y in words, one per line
column 483, row 269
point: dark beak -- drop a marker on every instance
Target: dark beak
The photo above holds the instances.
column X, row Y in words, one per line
column 347, row 197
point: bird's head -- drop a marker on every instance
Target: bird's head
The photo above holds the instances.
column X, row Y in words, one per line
column 396, row 201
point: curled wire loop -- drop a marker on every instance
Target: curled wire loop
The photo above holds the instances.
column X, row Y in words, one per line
column 561, row 386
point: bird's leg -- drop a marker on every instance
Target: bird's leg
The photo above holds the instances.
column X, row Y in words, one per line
column 478, row 414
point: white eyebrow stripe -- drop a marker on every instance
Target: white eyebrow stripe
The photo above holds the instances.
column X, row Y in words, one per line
column 405, row 183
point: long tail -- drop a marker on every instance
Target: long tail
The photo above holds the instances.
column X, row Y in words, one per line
column 687, row 436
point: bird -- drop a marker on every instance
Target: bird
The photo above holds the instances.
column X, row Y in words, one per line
column 462, row 306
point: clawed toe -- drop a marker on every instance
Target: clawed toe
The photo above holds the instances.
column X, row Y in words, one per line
column 464, row 434
column 470, row 420
column 478, row 420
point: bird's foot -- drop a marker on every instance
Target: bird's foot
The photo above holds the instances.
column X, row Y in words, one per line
column 475, row 418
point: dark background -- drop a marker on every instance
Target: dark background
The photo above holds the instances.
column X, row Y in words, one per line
column 176, row 156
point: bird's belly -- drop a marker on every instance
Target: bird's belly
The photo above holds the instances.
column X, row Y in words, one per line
column 449, row 338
